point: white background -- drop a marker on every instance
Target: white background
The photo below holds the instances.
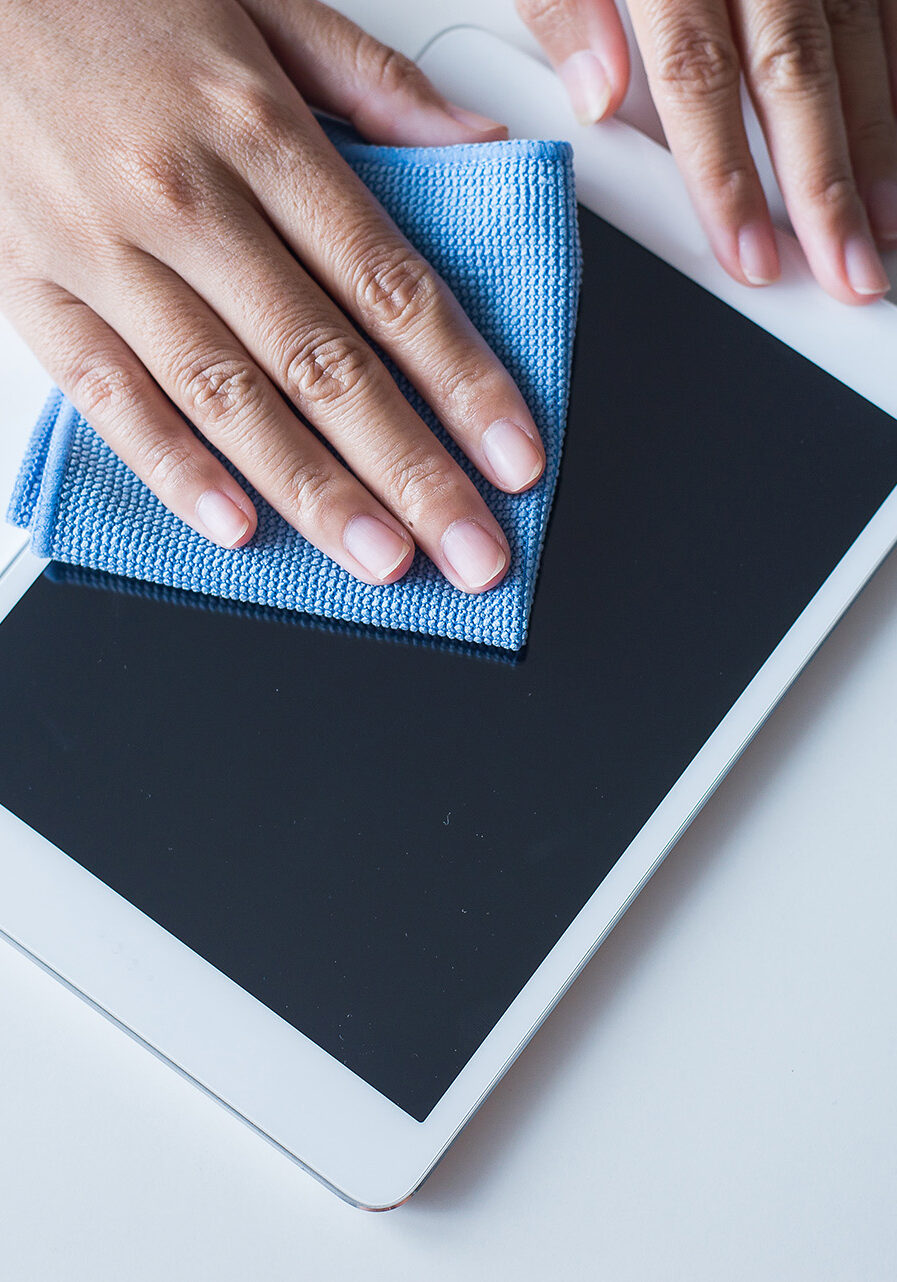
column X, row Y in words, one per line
column 713, row 1100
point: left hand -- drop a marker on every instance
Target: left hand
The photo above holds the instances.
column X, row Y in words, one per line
column 822, row 75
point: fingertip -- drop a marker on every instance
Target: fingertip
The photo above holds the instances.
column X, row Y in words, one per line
column 477, row 558
column 383, row 553
column 429, row 125
column 515, row 460
column 854, row 299
column 758, row 256
column 401, row 569
column 850, row 270
column 478, row 128
column 588, row 86
column 743, row 241
column 864, row 269
column 614, row 58
column 588, row 47
column 246, row 506
column 247, row 537
column 223, row 519
column 533, row 481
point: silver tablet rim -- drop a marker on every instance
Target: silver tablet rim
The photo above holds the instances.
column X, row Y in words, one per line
column 341, row 1130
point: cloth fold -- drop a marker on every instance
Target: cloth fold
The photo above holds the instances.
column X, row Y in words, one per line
column 498, row 221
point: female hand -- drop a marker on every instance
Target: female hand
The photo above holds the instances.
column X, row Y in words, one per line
column 822, row 75
column 176, row 233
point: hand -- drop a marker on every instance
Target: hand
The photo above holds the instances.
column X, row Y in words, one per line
column 822, row 75
column 176, row 233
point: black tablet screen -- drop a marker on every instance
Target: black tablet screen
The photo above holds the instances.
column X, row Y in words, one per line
column 382, row 841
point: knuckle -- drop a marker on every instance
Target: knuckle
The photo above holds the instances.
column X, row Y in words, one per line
column 220, row 390
column 327, row 368
column 167, row 468
column 310, row 488
column 852, row 15
column 544, row 15
column 162, row 179
column 875, row 134
column 831, row 191
column 251, row 114
column 101, row 390
column 794, row 57
column 692, row 62
column 417, row 482
column 23, row 262
column 390, row 70
column 731, row 180
column 396, row 289
column 466, row 384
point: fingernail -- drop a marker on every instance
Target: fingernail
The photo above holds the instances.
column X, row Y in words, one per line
column 475, row 556
column 757, row 254
column 512, row 454
column 224, row 522
column 587, row 84
column 471, row 120
column 862, row 264
column 881, row 203
column 374, row 545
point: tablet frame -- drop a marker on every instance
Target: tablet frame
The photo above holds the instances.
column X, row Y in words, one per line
column 226, row 1041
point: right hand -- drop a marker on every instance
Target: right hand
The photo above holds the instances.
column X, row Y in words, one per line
column 177, row 233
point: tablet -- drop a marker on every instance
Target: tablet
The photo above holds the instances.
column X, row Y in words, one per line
column 337, row 877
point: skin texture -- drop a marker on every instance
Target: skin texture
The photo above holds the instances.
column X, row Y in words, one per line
column 821, row 74
column 178, row 240
column 177, row 234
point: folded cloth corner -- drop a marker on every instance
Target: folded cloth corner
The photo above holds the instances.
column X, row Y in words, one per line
column 498, row 221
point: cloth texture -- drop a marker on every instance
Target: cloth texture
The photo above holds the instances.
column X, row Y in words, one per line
column 498, row 221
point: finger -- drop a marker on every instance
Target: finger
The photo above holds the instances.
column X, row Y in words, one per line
column 110, row 387
column 790, row 69
column 694, row 72
column 858, row 45
column 214, row 368
column 584, row 40
column 888, row 15
column 340, row 68
column 212, row 380
column 389, row 290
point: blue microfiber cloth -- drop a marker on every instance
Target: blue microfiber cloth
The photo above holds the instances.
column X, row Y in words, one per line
column 498, row 221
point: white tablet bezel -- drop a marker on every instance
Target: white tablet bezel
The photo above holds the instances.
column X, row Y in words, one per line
column 216, row 1033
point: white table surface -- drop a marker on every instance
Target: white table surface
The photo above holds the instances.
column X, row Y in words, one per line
column 713, row 1100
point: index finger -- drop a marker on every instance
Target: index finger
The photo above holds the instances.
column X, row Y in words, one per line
column 694, row 71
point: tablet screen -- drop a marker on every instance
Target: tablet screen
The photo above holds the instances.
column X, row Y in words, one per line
column 380, row 840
